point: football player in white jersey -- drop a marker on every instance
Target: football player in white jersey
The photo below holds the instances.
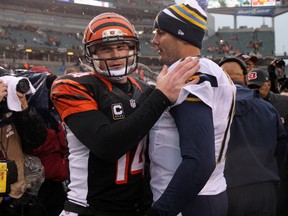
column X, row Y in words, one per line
column 188, row 143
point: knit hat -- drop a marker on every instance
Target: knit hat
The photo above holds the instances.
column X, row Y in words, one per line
column 186, row 21
column 257, row 77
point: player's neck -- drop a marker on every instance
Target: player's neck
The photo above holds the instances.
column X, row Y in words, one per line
column 125, row 87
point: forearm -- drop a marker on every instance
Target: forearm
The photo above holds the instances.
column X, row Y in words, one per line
column 101, row 136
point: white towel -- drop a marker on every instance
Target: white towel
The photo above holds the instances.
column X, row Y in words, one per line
column 13, row 101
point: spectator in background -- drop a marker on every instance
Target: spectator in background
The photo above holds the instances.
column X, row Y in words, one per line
column 259, row 79
column 62, row 69
column 250, row 61
column 276, row 71
column 10, row 138
column 284, row 87
column 70, row 70
column 17, row 202
column 257, row 145
column 187, row 145
column 53, row 150
column 240, row 68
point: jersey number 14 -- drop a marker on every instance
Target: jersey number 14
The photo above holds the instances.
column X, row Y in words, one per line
column 136, row 167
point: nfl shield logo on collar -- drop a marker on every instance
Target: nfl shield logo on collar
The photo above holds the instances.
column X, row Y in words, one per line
column 132, row 103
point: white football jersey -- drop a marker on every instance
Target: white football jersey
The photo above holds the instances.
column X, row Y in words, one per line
column 164, row 150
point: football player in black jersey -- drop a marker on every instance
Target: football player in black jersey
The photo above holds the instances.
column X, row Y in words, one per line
column 108, row 114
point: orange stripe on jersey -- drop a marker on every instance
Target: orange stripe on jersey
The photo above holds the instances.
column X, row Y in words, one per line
column 133, row 81
column 107, row 83
column 70, row 97
column 68, row 82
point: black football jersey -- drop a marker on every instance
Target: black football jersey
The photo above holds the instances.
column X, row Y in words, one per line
column 106, row 186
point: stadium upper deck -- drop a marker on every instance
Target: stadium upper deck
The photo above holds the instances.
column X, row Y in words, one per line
column 58, row 26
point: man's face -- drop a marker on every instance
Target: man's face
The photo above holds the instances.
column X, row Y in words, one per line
column 169, row 47
column 280, row 72
column 107, row 51
column 264, row 89
column 234, row 70
column 250, row 65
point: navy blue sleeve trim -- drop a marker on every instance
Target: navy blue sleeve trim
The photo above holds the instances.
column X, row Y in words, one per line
column 196, row 130
column 207, row 77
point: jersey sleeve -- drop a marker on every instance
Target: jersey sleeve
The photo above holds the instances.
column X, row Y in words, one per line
column 198, row 157
column 107, row 140
column 202, row 91
column 210, row 74
column 70, row 97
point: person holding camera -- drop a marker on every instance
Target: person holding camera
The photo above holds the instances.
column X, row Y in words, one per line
column 12, row 176
column 276, row 70
column 53, row 152
column 10, row 148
